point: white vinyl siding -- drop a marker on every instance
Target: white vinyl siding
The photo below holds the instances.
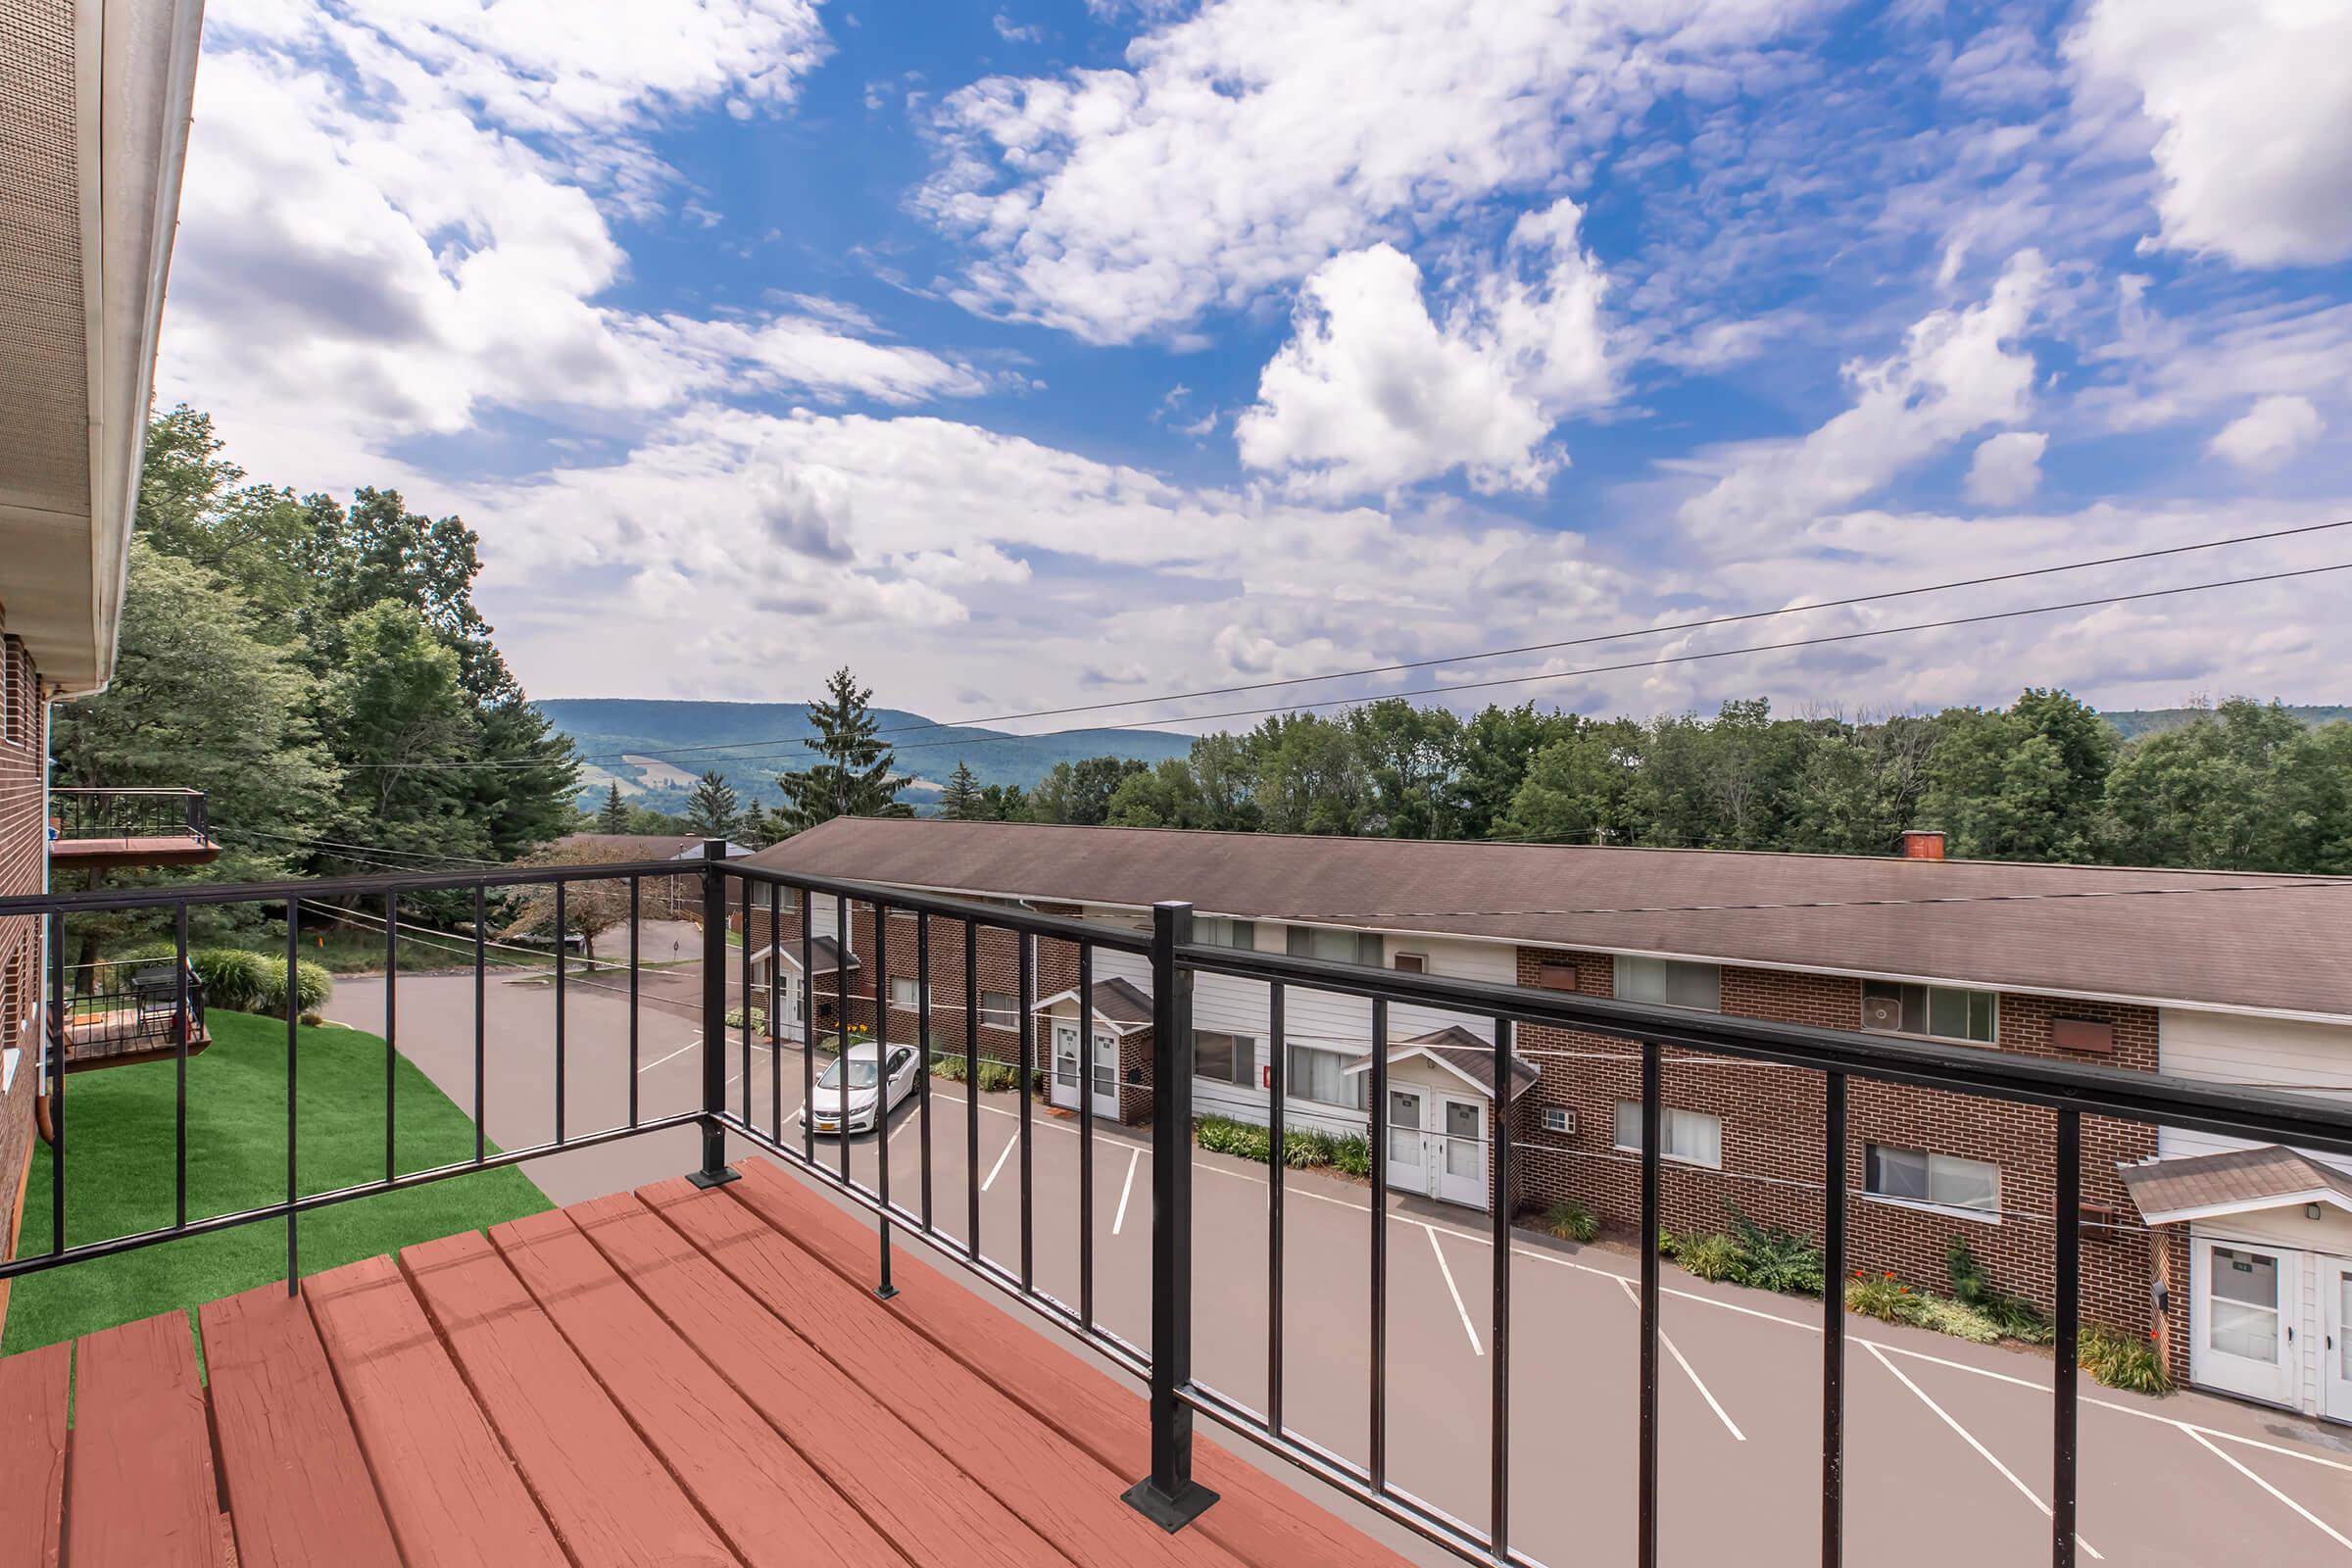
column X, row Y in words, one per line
column 1692, row 1137
column 1938, row 1181
column 2217, row 1047
column 1670, row 983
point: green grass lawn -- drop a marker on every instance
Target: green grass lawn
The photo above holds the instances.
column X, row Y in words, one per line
column 118, row 1142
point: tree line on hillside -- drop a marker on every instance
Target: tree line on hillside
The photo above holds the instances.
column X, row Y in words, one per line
column 320, row 670
column 2243, row 786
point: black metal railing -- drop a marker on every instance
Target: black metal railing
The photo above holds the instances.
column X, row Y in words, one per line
column 129, row 814
column 1169, row 1494
column 134, row 1010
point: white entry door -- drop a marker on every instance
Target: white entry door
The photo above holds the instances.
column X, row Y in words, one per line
column 1409, row 1141
column 2246, row 1300
column 787, row 1000
column 1067, row 1070
column 2336, row 1351
column 1461, row 1152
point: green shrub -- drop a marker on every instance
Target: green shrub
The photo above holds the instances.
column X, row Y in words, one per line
column 997, row 1077
column 1884, row 1297
column 1714, row 1257
column 235, row 980
column 2013, row 1316
column 1668, row 1243
column 1222, row 1135
column 2122, row 1362
column 1351, row 1154
column 1775, row 1259
column 759, row 1016
column 312, row 985
column 1572, row 1221
column 948, row 1065
column 1958, row 1319
column 1307, row 1151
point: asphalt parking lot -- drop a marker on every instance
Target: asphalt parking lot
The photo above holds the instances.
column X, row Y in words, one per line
column 1947, row 1443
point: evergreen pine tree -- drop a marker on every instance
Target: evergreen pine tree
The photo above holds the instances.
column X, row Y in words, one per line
column 712, row 806
column 854, row 777
column 961, row 801
column 615, row 816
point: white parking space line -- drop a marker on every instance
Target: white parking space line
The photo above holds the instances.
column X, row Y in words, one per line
column 1001, row 1156
column 1667, row 1340
column 1970, row 1439
column 1468, row 1326
column 1135, row 1157
column 2333, row 1532
column 673, row 1056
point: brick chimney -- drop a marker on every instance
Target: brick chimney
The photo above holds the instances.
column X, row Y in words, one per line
column 1923, row 844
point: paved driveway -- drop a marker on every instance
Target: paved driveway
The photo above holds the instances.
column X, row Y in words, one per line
column 1947, row 1443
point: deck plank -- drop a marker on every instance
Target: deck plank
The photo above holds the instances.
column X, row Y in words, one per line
column 1258, row 1518
column 608, row 1496
column 33, row 1453
column 768, row 1500
column 447, row 1490
column 1042, row 1476
column 298, row 1489
column 933, row 1510
column 139, row 1490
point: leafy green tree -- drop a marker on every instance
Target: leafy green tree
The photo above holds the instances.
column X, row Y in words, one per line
column 857, row 777
column 397, row 716
column 2020, row 784
column 1080, row 792
column 1004, row 803
column 1857, row 788
column 1309, row 777
column 1225, row 776
column 712, row 806
column 195, row 504
column 1411, row 756
column 961, row 801
column 1165, row 795
column 1498, row 744
column 614, row 816
column 759, row 827
column 2243, row 788
column 198, row 700
column 524, row 797
column 1578, row 790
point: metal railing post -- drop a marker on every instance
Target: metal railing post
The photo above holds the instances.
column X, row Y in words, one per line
column 1169, row 1497
column 714, row 1170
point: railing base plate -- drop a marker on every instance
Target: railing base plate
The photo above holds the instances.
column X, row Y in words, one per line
column 706, row 1179
column 1171, row 1514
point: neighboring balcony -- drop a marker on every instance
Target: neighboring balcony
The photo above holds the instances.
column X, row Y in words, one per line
column 109, row 829
column 143, row 1015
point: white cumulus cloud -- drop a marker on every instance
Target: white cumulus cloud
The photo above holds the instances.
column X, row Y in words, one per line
column 2254, row 98
column 2269, row 433
column 2007, row 467
column 1372, row 392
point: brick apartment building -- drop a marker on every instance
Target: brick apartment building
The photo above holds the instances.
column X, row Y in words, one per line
column 87, row 204
column 2239, row 1260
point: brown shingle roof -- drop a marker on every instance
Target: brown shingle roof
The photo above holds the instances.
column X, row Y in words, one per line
column 2067, row 929
column 2233, row 1181
column 1465, row 1052
column 1117, row 1001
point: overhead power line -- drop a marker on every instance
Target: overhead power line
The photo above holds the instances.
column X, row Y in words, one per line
column 803, row 744
column 1587, row 640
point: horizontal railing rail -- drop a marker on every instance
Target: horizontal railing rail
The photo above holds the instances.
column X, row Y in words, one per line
column 106, row 812
column 757, row 998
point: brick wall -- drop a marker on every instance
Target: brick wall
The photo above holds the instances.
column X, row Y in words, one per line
column 24, row 838
column 1772, row 1138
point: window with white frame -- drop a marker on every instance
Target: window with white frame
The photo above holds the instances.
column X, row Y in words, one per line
column 1322, row 1076
column 906, row 993
column 12, row 700
column 1218, row 931
column 1945, row 1012
column 1670, row 983
column 1940, row 1181
column 1333, row 946
column 1224, row 1058
column 1692, row 1137
column 1000, row 1009
column 1560, row 1119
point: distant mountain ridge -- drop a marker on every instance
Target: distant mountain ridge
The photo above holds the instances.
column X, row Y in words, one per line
column 2129, row 722
column 674, row 737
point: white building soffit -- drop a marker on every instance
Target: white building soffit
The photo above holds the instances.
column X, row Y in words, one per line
column 93, row 126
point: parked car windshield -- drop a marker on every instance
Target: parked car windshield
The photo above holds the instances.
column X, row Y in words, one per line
column 861, row 1073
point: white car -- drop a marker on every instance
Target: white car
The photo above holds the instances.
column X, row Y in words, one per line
column 864, row 1106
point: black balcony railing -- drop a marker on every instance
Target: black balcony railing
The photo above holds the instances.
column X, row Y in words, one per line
column 134, row 1013
column 1168, row 1493
column 81, row 813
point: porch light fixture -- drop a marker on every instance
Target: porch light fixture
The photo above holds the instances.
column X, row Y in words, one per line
column 2311, row 1212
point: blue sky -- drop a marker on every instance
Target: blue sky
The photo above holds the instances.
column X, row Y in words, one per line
column 1064, row 352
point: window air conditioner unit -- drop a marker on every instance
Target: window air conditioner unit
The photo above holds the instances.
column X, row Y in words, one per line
column 1884, row 1013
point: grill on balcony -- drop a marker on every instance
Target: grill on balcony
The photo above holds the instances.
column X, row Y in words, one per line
column 106, row 829
column 637, row 1358
column 143, row 1013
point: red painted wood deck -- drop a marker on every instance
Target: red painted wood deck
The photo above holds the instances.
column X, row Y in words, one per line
column 670, row 1376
